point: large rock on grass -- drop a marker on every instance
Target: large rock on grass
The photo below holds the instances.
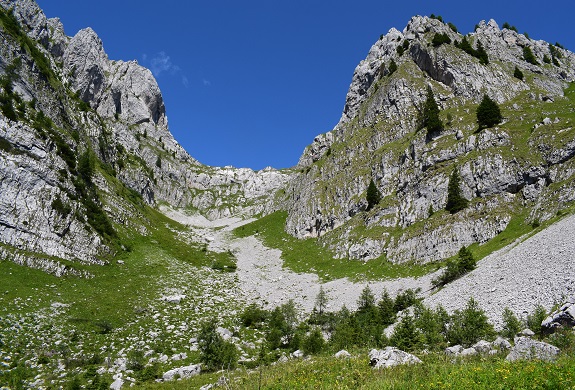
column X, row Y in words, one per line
column 528, row 349
column 390, row 357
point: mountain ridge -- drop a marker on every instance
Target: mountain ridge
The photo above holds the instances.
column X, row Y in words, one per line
column 385, row 142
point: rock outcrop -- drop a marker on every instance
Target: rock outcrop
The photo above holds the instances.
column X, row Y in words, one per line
column 66, row 99
column 380, row 137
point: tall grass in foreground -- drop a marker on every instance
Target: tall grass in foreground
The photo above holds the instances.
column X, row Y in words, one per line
column 437, row 372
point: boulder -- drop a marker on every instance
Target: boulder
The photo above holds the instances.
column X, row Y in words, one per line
column 482, row 346
column 174, row 298
column 297, row 354
column 564, row 317
column 501, row 344
column 469, row 352
column 342, row 354
column 391, row 356
column 526, row 333
column 182, row 372
column 528, row 349
column 117, row 384
column 454, row 350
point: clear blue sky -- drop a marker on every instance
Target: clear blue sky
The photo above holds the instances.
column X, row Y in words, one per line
column 251, row 83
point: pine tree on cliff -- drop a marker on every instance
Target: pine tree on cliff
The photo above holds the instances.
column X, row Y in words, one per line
column 373, row 195
column 488, row 113
column 431, row 113
column 455, row 200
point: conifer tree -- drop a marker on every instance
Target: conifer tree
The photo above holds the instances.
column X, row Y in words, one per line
column 386, row 308
column 511, row 324
column 366, row 299
column 392, row 67
column 529, row 56
column 488, row 113
column 466, row 261
column 455, row 200
column 321, row 300
column 517, row 73
column 431, row 113
column 481, row 54
column 406, row 336
column 373, row 195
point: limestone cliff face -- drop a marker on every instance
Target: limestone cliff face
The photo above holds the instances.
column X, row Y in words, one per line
column 505, row 170
column 64, row 104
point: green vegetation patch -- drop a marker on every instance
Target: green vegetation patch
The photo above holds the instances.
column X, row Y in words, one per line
column 437, row 372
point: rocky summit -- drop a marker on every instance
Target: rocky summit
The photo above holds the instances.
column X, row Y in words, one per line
column 448, row 182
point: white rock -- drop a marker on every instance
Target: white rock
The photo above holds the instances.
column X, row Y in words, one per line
column 182, row 372
column 342, row 354
column 527, row 349
column 391, row 356
column 297, row 354
column 117, row 384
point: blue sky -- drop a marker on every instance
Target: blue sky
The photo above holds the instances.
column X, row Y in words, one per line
column 251, row 83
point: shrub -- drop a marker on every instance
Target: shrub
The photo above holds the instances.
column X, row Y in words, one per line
column 452, row 27
column 392, row 67
column 405, row 299
column 431, row 113
column 456, row 268
column 455, row 200
column 518, row 73
column 509, row 27
column 555, row 61
column 546, row 59
column 511, row 324
column 488, row 113
column 104, row 326
column 313, row 343
column 215, row 352
column 136, row 360
column 469, row 325
column 282, row 324
column 535, row 319
column 555, row 52
column 432, row 324
column 253, row 316
column 440, row 39
column 481, row 54
column 373, row 195
column 528, row 56
column 60, row 207
column 159, row 162
column 86, row 166
column 5, row 145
